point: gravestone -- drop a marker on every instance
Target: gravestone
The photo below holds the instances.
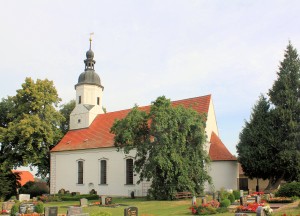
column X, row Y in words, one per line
column 24, row 197
column 257, row 199
column 26, row 208
column 203, row 200
column 6, row 206
column 214, row 196
column 103, row 200
column 74, row 210
column 51, row 211
column 108, row 200
column 131, row 211
column 241, row 193
column 194, row 201
column 243, row 201
column 260, row 211
column 83, row 202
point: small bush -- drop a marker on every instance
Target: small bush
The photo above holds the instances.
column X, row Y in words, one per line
column 93, row 192
column 236, row 194
column 39, row 207
column 224, row 194
column 222, row 210
column 225, row 203
column 14, row 209
column 289, row 190
column 231, row 198
column 49, row 198
column 34, row 188
column 78, row 197
column 206, row 210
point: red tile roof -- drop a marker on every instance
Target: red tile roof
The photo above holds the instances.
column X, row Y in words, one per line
column 25, row 176
column 98, row 134
column 218, row 151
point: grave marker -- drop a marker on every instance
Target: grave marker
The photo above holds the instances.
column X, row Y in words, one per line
column 260, row 211
column 194, row 201
column 51, row 211
column 108, row 200
column 74, row 210
column 24, row 197
column 6, row 206
column 83, row 202
column 131, row 211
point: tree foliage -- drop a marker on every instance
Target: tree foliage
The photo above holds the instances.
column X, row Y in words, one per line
column 30, row 126
column 169, row 143
column 269, row 146
column 256, row 140
column 66, row 110
column 9, row 182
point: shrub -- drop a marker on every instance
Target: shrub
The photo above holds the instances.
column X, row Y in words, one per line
column 224, row 194
column 206, row 210
column 289, row 190
column 49, row 198
column 225, row 203
column 39, row 207
column 231, row 197
column 93, row 192
column 78, row 197
column 222, row 210
column 236, row 194
column 14, row 209
column 34, row 188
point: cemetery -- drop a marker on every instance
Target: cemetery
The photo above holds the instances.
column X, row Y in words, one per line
column 224, row 202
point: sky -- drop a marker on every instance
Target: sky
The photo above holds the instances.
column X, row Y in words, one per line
column 145, row 49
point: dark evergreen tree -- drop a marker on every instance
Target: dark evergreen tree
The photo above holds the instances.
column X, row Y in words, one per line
column 254, row 149
column 285, row 96
column 269, row 143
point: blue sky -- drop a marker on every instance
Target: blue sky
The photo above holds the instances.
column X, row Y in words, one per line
column 145, row 49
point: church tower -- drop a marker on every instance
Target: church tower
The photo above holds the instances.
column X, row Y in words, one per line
column 88, row 95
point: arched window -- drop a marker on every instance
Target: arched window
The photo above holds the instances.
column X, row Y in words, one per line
column 129, row 171
column 103, row 171
column 80, row 172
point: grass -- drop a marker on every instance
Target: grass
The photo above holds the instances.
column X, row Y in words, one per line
column 157, row 208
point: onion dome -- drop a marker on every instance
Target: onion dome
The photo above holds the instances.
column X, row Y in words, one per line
column 89, row 76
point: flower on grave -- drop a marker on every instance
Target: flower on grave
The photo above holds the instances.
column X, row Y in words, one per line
column 267, row 209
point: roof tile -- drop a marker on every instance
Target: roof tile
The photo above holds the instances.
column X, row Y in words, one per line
column 98, row 134
column 218, row 151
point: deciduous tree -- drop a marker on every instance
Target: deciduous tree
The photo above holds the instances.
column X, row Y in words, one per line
column 30, row 125
column 170, row 147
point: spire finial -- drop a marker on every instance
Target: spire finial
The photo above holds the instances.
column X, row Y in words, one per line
column 92, row 33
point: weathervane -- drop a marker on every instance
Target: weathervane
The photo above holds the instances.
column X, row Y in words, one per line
column 91, row 39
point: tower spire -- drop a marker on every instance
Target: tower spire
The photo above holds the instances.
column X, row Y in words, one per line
column 90, row 62
column 92, row 33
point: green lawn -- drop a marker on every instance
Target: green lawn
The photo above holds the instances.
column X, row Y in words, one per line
column 153, row 208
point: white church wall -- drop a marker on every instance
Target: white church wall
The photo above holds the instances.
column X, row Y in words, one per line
column 224, row 175
column 211, row 123
column 65, row 173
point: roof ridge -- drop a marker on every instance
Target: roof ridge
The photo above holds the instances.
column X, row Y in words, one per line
column 145, row 106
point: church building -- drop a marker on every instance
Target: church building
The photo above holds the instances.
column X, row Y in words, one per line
column 86, row 158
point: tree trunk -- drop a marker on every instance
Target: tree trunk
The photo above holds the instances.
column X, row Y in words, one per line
column 274, row 183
